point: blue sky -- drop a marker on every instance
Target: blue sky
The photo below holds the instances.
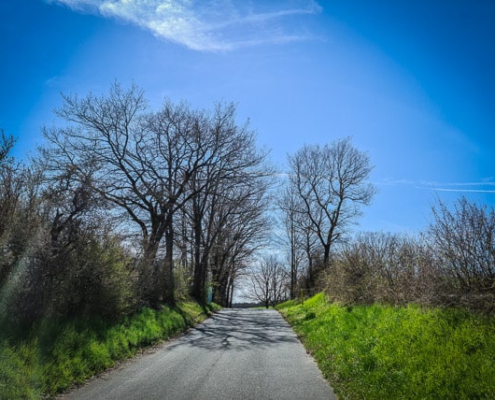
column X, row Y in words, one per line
column 413, row 82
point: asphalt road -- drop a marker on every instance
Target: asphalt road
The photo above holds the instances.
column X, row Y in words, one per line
column 238, row 354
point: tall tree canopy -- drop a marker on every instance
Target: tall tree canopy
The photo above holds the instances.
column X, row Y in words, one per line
column 152, row 165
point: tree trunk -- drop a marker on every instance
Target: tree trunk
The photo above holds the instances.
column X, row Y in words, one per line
column 200, row 266
column 167, row 287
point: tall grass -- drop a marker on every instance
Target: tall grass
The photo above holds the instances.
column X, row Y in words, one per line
column 385, row 352
column 55, row 355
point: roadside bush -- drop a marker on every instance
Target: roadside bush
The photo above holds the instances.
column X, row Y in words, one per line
column 386, row 268
column 182, row 280
column 464, row 241
column 92, row 277
column 451, row 265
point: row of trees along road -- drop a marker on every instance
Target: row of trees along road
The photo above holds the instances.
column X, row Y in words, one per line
column 175, row 167
column 126, row 206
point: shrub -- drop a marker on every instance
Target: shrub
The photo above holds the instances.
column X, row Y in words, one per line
column 386, row 268
column 463, row 239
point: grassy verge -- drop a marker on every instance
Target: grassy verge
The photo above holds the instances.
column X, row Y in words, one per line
column 382, row 352
column 55, row 355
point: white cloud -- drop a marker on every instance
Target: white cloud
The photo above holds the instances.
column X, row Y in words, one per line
column 214, row 25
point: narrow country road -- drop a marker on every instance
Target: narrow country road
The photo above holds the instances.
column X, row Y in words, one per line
column 238, row 354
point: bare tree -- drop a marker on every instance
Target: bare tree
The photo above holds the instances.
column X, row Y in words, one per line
column 175, row 167
column 269, row 282
column 331, row 184
column 242, row 231
column 6, row 144
column 140, row 162
column 11, row 190
column 236, row 170
column 295, row 235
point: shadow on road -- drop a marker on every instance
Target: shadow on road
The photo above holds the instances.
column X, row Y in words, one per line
column 238, row 354
column 239, row 329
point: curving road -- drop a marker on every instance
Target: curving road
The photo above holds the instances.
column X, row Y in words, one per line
column 238, row 354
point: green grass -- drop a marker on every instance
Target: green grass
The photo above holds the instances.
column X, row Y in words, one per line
column 384, row 352
column 55, row 355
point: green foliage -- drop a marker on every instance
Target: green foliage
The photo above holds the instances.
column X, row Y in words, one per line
column 57, row 354
column 287, row 304
column 385, row 352
column 19, row 378
column 182, row 281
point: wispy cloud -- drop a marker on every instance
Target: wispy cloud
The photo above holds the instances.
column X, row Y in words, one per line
column 213, row 25
column 461, row 187
column 462, row 190
column 482, row 186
